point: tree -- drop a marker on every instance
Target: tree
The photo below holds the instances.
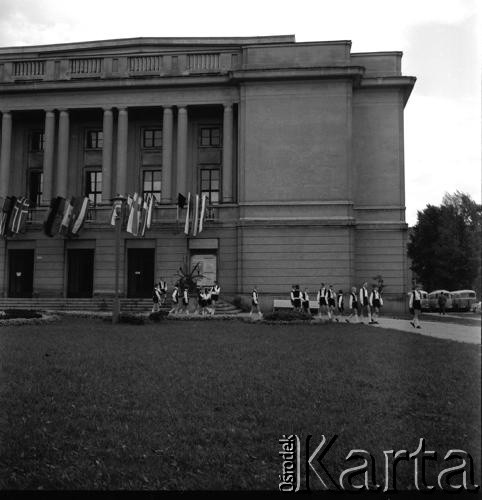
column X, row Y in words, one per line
column 445, row 244
column 187, row 277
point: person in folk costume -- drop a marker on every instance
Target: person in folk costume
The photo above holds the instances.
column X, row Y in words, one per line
column 163, row 290
column 340, row 305
column 353, row 305
column 415, row 306
column 331, row 299
column 185, row 300
column 305, row 301
column 199, row 305
column 322, row 301
column 296, row 298
column 365, row 303
column 255, row 303
column 291, row 296
column 375, row 303
column 156, row 299
column 208, row 292
column 175, row 300
column 215, row 292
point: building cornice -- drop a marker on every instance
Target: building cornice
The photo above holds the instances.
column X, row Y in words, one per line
column 140, row 42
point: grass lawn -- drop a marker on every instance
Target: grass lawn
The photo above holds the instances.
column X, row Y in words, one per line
column 201, row 405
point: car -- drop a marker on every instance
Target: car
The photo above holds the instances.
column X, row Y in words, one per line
column 476, row 307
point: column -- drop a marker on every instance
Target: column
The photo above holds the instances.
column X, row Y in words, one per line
column 228, row 154
column 181, row 149
column 107, row 156
column 166, row 155
column 48, row 164
column 122, row 136
column 63, row 154
column 5, row 153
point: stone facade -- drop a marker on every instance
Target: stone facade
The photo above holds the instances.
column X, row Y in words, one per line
column 299, row 145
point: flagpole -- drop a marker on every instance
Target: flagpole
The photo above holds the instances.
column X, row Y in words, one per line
column 116, row 302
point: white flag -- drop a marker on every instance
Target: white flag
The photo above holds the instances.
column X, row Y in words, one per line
column 186, row 225
column 196, row 215
column 130, row 221
column 203, row 211
column 152, row 200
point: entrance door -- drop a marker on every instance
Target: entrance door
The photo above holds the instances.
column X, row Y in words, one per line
column 140, row 272
column 80, row 273
column 20, row 282
column 207, row 267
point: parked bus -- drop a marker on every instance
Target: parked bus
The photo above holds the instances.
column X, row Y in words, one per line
column 463, row 300
column 433, row 300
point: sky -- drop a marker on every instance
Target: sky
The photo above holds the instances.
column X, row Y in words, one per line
column 440, row 40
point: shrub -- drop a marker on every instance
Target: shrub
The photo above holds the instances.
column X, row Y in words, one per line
column 158, row 316
column 287, row 315
column 21, row 313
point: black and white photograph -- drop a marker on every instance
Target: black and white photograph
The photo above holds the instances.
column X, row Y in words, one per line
column 240, row 247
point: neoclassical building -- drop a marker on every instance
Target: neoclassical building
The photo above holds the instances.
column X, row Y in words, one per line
column 298, row 147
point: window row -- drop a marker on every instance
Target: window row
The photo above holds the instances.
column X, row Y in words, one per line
column 209, row 185
column 151, row 139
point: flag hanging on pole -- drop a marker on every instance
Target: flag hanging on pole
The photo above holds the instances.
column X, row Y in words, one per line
column 125, row 212
column 196, row 215
column 132, row 221
column 186, row 225
column 144, row 215
column 55, row 213
column 150, row 210
column 140, row 210
column 19, row 215
column 7, row 209
column 203, row 212
column 181, row 203
column 65, row 224
column 79, row 214
column 116, row 211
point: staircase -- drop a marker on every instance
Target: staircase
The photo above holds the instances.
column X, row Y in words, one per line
column 133, row 306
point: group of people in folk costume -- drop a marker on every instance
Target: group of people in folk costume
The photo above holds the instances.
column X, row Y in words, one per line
column 331, row 304
column 207, row 297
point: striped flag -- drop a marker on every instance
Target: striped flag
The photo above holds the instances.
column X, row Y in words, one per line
column 144, row 215
column 131, row 210
column 196, row 215
column 203, row 212
column 186, row 225
column 65, row 224
column 55, row 213
column 79, row 214
column 126, row 211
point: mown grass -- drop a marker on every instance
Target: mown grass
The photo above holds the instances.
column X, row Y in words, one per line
column 201, row 405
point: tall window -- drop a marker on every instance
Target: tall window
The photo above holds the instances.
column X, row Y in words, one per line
column 93, row 186
column 151, row 184
column 152, row 138
column 210, row 137
column 94, row 139
column 35, row 186
column 36, row 142
column 210, row 184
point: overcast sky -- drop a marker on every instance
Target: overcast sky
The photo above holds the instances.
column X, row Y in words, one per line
column 440, row 40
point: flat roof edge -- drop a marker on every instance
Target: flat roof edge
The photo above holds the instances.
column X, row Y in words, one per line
column 126, row 42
